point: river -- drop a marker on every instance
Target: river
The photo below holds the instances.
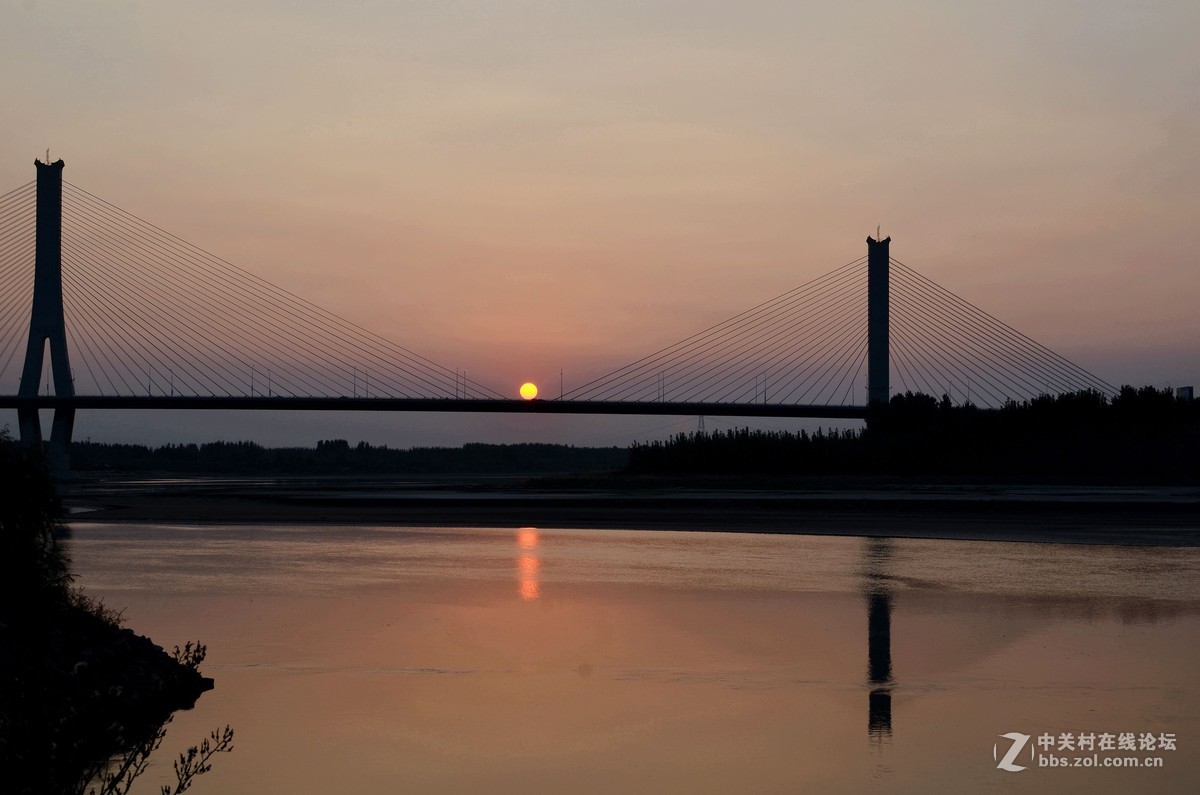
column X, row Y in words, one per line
column 542, row 660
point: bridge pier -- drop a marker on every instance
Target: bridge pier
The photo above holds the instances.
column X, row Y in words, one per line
column 878, row 314
column 46, row 323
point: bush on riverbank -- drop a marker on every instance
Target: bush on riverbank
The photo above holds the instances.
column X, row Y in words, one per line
column 76, row 690
column 32, row 567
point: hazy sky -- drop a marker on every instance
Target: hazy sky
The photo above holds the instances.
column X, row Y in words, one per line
column 517, row 187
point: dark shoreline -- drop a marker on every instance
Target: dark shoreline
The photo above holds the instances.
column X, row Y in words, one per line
column 78, row 690
column 1159, row 516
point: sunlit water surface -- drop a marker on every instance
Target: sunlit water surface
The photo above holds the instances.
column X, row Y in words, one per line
column 491, row 660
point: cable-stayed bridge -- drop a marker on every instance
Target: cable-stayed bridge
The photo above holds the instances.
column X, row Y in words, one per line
column 135, row 317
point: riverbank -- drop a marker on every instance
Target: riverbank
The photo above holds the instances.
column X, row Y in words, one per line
column 979, row 511
column 77, row 691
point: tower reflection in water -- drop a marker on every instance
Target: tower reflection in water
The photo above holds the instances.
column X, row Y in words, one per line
column 878, row 593
column 528, row 564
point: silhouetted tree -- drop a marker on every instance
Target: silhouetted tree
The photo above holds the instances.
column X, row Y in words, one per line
column 1141, row 434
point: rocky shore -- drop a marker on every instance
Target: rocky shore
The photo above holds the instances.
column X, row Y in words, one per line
column 76, row 690
column 80, row 696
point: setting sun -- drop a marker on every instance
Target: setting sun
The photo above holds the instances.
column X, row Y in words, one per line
column 529, row 390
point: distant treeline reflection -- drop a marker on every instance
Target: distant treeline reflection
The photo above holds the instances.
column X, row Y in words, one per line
column 1140, row 434
column 337, row 456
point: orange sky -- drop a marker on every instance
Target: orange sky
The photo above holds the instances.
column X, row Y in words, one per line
column 514, row 188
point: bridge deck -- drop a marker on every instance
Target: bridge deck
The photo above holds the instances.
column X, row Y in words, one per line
column 433, row 404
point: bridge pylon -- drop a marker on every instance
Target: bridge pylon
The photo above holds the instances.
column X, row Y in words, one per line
column 46, row 322
column 878, row 320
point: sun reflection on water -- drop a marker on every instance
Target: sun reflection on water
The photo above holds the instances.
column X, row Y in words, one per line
column 528, row 564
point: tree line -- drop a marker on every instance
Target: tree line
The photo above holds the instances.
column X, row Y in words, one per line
column 1144, row 434
column 338, row 456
